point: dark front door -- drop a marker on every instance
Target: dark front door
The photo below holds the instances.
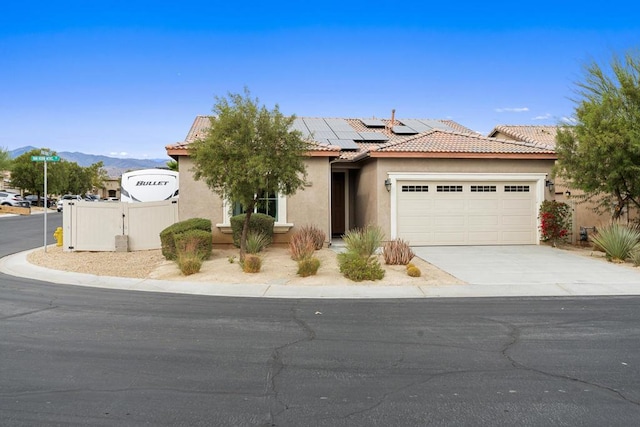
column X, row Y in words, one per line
column 337, row 203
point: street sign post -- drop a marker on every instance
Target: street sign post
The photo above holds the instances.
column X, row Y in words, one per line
column 45, row 205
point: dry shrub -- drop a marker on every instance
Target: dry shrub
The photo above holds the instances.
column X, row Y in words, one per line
column 314, row 234
column 397, row 252
column 189, row 263
column 308, row 266
column 301, row 246
column 252, row 263
column 414, row 272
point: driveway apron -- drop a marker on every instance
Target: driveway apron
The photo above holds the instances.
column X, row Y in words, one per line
column 528, row 266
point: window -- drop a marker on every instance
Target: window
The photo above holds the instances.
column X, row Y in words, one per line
column 267, row 204
column 415, row 188
column 449, row 188
column 516, row 188
column 483, row 188
column 273, row 204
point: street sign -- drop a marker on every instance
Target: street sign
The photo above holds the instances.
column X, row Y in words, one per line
column 45, row 158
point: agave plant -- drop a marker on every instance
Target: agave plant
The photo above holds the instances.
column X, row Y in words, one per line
column 617, row 241
column 256, row 242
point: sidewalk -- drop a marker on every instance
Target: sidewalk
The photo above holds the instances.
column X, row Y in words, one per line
column 606, row 279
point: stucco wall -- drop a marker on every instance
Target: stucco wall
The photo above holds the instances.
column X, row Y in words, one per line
column 309, row 206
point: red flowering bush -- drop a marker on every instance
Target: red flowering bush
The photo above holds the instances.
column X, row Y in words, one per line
column 555, row 221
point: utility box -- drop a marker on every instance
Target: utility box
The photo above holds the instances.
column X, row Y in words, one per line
column 122, row 243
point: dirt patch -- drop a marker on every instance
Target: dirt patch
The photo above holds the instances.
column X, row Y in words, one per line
column 223, row 267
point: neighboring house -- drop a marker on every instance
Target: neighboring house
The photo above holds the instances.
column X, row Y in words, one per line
column 584, row 212
column 110, row 188
column 430, row 182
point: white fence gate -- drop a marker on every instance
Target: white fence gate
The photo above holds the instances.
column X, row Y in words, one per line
column 93, row 226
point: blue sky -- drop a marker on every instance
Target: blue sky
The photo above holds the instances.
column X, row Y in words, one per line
column 125, row 78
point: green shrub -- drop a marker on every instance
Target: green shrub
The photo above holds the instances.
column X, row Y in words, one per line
column 397, row 252
column 301, row 246
column 256, row 242
column 358, row 268
column 189, row 263
column 167, row 236
column 258, row 223
column 308, row 266
column 251, row 264
column 364, row 241
column 414, row 271
column 617, row 241
column 194, row 242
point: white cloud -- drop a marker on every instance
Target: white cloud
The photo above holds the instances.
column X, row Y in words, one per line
column 119, row 154
column 569, row 120
column 512, row 110
column 543, row 117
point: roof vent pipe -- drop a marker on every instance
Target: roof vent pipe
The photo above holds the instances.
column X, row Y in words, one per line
column 393, row 117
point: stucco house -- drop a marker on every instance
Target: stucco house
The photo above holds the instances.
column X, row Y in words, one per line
column 430, row 182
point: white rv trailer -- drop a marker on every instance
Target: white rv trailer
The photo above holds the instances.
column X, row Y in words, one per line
column 149, row 185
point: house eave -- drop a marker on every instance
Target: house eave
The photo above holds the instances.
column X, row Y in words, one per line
column 439, row 155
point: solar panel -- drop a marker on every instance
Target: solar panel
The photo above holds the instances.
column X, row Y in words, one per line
column 437, row 124
column 316, row 124
column 373, row 123
column 418, row 125
column 404, row 130
column 339, row 125
column 326, row 134
column 372, row 136
column 298, row 124
column 348, row 134
column 345, row 144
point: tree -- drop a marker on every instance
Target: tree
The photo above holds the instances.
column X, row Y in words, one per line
column 247, row 152
column 5, row 160
column 601, row 153
column 62, row 177
column 97, row 175
column 172, row 165
column 29, row 175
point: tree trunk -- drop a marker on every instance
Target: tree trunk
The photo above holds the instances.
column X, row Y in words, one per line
column 245, row 232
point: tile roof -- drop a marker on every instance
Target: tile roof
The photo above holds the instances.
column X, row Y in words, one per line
column 428, row 136
column 542, row 135
column 442, row 141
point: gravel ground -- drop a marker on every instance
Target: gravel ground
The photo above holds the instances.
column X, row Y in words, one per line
column 223, row 267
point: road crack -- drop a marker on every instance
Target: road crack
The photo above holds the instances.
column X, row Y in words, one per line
column 515, row 338
column 276, row 366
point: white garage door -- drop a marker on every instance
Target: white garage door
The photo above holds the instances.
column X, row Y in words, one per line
column 466, row 213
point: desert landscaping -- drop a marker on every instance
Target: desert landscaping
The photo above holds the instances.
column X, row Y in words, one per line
column 223, row 267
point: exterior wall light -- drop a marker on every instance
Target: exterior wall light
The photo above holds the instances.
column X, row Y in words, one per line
column 387, row 184
column 550, row 185
column 567, row 194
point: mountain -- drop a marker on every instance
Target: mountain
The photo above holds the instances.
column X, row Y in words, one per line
column 113, row 165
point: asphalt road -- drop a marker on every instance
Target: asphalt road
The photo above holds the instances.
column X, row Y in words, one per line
column 82, row 356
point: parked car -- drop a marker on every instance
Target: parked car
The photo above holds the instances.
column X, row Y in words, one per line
column 68, row 197
column 33, row 200
column 13, row 199
column 91, row 198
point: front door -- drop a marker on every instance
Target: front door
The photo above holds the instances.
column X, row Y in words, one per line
column 338, row 213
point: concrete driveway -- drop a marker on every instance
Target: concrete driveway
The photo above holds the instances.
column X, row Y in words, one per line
column 532, row 270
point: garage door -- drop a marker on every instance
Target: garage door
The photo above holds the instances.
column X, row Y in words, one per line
column 466, row 213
